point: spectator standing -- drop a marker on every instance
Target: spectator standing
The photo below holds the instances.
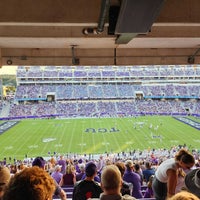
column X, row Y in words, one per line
column 87, row 188
column 166, row 175
column 148, row 172
column 69, row 178
column 138, row 170
column 149, row 191
column 100, row 164
column 111, row 183
column 62, row 162
column 131, row 177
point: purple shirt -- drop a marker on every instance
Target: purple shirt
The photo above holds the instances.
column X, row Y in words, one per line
column 134, row 178
column 148, row 193
column 57, row 176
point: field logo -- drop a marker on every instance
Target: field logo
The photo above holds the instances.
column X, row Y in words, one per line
column 101, row 130
column 48, row 139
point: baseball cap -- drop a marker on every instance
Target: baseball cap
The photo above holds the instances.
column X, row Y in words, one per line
column 90, row 169
column 57, row 167
column 129, row 163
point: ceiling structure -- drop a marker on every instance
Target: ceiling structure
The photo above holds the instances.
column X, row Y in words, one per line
column 64, row 32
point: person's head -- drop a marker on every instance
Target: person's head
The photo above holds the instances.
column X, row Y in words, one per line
column 129, row 164
column 149, row 184
column 39, row 161
column 192, row 181
column 185, row 159
column 137, row 167
column 70, row 169
column 57, row 168
column 4, row 179
column 111, row 180
column 147, row 165
column 184, row 195
column 121, row 167
column 90, row 169
column 31, row 183
column 53, row 161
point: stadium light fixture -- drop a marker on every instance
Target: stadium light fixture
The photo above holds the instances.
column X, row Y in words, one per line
column 105, row 5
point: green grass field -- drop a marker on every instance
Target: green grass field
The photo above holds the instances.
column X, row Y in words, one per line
column 40, row 136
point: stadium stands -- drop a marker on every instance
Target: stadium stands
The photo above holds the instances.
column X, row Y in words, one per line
column 94, row 91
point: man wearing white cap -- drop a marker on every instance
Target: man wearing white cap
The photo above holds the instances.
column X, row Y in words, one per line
column 57, row 175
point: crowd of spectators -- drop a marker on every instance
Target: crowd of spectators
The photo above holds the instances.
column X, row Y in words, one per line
column 107, row 71
column 136, row 169
column 107, row 91
column 124, row 173
column 105, row 108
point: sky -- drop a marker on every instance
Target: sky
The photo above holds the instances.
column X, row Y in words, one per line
column 8, row 70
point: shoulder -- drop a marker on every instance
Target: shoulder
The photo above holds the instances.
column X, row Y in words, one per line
column 82, row 183
column 169, row 163
column 136, row 175
column 96, row 183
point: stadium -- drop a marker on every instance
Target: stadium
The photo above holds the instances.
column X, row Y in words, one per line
column 102, row 81
column 101, row 109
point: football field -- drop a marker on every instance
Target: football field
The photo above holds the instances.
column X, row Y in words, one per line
column 43, row 137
